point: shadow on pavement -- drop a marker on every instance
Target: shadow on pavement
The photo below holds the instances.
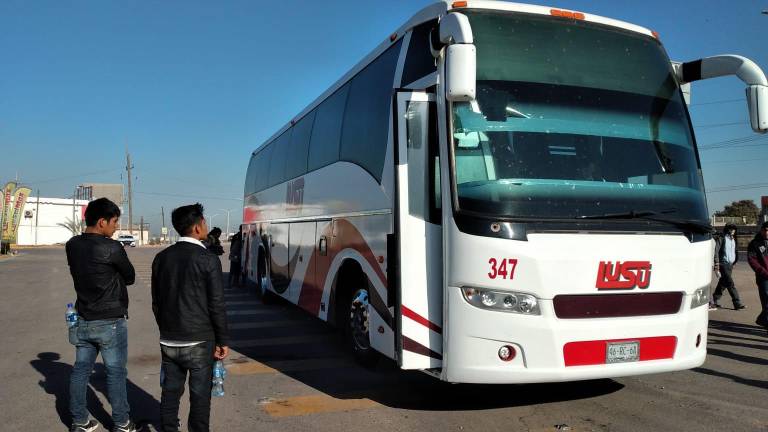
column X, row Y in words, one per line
column 746, row 329
column 385, row 383
column 145, row 409
column 750, row 382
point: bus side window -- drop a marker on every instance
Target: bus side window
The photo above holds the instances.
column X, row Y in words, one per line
column 433, row 162
column 419, row 61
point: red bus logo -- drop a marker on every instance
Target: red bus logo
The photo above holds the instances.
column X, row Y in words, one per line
column 626, row 275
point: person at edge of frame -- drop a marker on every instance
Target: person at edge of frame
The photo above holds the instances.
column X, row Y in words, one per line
column 188, row 304
column 727, row 256
column 101, row 272
column 757, row 255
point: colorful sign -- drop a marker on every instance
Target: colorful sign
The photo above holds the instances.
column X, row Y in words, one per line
column 19, row 199
column 5, row 215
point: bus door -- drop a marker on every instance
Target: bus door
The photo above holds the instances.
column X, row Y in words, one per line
column 419, row 233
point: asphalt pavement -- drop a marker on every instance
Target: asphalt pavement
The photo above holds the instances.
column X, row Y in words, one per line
column 289, row 371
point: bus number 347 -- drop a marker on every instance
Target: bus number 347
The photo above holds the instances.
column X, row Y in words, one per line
column 503, row 268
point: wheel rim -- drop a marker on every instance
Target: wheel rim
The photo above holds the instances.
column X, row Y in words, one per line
column 358, row 320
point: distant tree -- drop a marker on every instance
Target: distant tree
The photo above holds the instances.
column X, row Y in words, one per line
column 76, row 227
column 743, row 208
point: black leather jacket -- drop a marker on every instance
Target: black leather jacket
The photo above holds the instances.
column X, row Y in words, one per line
column 101, row 271
column 188, row 294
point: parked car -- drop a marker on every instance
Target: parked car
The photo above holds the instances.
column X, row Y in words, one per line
column 127, row 240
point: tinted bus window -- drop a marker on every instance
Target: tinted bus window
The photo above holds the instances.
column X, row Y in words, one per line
column 262, row 168
column 366, row 122
column 419, row 61
column 297, row 153
column 250, row 184
column 326, row 133
column 279, row 157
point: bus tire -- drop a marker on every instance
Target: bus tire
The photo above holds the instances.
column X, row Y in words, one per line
column 357, row 325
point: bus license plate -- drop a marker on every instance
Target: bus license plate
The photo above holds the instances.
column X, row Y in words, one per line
column 621, row 352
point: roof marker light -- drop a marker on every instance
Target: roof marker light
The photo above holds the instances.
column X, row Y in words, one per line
column 656, row 35
column 459, row 4
column 566, row 14
column 392, row 37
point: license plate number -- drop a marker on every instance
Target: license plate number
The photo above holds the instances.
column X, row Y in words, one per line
column 621, row 352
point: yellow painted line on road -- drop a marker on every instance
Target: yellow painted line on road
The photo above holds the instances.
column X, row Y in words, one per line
column 254, row 367
column 315, row 404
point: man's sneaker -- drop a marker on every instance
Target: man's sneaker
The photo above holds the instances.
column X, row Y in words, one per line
column 739, row 307
column 712, row 307
column 128, row 427
column 88, row 427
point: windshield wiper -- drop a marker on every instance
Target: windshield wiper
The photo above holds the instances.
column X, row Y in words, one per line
column 689, row 225
column 632, row 214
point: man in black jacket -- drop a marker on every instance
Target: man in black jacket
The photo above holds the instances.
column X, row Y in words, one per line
column 188, row 302
column 101, row 271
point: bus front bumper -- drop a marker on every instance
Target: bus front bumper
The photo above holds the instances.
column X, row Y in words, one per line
column 475, row 336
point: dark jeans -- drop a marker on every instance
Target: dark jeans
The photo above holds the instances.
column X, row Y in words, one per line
column 726, row 282
column 177, row 361
column 762, row 290
column 110, row 337
column 234, row 273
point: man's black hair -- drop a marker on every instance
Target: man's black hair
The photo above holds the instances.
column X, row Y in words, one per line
column 729, row 227
column 185, row 217
column 101, row 208
column 764, row 225
column 216, row 231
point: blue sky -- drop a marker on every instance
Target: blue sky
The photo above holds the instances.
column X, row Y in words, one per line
column 192, row 87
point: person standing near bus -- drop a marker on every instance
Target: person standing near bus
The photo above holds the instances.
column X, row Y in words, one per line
column 235, row 249
column 101, row 273
column 728, row 256
column 188, row 303
column 757, row 255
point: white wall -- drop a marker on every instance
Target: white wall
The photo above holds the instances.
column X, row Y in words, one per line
column 50, row 212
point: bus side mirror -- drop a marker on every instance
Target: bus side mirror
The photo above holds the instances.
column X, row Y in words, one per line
column 757, row 103
column 460, row 70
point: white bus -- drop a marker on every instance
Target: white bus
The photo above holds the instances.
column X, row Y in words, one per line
column 498, row 193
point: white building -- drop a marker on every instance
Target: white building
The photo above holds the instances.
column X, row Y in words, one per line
column 40, row 223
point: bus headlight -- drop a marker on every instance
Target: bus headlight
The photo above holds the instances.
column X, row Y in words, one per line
column 700, row 297
column 504, row 301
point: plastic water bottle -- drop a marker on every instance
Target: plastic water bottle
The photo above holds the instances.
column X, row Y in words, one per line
column 218, row 379
column 71, row 315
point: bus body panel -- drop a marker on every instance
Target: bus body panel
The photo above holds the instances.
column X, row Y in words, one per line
column 550, row 265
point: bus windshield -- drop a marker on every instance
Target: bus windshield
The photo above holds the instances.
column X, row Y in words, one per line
column 573, row 120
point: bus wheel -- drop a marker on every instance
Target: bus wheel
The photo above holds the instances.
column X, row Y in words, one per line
column 357, row 329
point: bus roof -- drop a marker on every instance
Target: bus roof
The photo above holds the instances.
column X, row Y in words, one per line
column 437, row 10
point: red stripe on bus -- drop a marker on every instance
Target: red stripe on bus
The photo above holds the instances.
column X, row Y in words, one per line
column 594, row 352
column 420, row 319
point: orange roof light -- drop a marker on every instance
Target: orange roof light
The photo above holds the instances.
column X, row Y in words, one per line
column 656, row 35
column 566, row 14
column 458, row 4
column 392, row 37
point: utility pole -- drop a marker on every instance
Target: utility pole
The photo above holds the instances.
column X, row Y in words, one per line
column 37, row 214
column 74, row 225
column 163, row 236
column 129, row 167
column 227, row 235
column 141, row 232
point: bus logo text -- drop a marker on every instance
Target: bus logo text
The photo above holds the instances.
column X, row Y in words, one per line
column 626, row 275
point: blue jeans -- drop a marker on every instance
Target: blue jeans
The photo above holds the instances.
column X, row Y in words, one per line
column 110, row 337
column 177, row 361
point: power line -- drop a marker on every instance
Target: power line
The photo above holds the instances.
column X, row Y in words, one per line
column 716, row 125
column 36, row 182
column 718, row 102
column 732, row 188
column 188, row 196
